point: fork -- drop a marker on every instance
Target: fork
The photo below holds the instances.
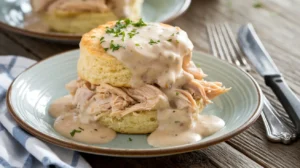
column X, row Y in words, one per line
column 224, row 46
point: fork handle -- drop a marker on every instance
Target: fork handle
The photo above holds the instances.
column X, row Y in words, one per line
column 286, row 96
column 277, row 130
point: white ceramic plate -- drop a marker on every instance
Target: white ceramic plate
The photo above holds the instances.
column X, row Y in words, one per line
column 31, row 93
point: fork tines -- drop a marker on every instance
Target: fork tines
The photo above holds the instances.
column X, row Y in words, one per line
column 224, row 46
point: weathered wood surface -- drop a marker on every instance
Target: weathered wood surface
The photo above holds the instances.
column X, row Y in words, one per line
column 277, row 23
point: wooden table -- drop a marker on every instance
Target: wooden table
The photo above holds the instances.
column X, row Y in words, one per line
column 277, row 23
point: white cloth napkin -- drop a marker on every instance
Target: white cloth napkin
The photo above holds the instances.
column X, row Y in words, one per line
column 17, row 147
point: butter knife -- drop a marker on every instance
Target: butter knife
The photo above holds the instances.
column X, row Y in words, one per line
column 257, row 54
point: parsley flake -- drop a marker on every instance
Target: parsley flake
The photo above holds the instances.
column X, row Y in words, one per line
column 177, row 122
column 93, row 36
column 102, row 40
column 123, row 35
column 132, row 33
column 258, row 5
column 105, row 49
column 110, row 30
column 81, row 128
column 72, row 133
column 129, row 139
column 177, row 93
column 137, row 44
column 127, row 21
column 151, row 42
column 169, row 40
column 140, row 23
column 113, row 46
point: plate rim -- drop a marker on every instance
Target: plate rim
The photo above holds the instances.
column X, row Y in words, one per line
column 135, row 152
column 75, row 38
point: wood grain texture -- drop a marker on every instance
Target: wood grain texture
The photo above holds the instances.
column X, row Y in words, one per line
column 10, row 47
column 40, row 48
column 221, row 155
column 277, row 28
column 278, row 25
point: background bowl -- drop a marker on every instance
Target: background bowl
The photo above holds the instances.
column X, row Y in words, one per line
column 13, row 14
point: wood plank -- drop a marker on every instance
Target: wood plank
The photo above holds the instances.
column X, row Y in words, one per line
column 9, row 47
column 221, row 155
column 255, row 145
column 40, row 48
column 278, row 34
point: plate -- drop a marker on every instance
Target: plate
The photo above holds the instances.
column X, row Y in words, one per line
column 30, row 94
column 14, row 13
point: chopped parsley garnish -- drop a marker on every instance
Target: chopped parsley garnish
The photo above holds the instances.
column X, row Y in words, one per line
column 169, row 40
column 105, row 49
column 172, row 34
column 258, row 5
column 177, row 122
column 123, row 35
column 127, row 21
column 129, row 139
column 177, row 33
column 198, row 65
column 113, row 46
column 102, row 40
column 93, row 36
column 137, row 44
column 81, row 128
column 177, row 93
column 117, row 29
column 140, row 23
column 72, row 133
column 177, row 41
column 110, row 30
column 153, row 42
column 132, row 33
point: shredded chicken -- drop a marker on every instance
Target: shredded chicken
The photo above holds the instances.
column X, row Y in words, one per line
column 103, row 88
column 106, row 98
column 197, row 90
column 213, row 89
column 81, row 97
column 185, row 100
column 97, row 100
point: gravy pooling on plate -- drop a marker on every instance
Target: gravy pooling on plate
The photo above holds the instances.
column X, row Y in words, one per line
column 164, row 79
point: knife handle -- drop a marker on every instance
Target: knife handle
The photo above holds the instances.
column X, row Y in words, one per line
column 286, row 96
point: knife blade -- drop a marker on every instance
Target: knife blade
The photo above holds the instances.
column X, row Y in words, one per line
column 263, row 63
column 255, row 51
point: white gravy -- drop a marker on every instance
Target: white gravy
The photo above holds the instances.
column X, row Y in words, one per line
column 68, row 123
column 61, row 106
column 178, row 127
column 70, row 126
column 155, row 54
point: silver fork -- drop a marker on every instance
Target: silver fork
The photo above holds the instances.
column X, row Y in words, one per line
column 224, row 46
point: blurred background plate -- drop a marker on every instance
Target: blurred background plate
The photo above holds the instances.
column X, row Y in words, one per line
column 16, row 16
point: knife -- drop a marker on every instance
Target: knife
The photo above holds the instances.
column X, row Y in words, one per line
column 257, row 54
